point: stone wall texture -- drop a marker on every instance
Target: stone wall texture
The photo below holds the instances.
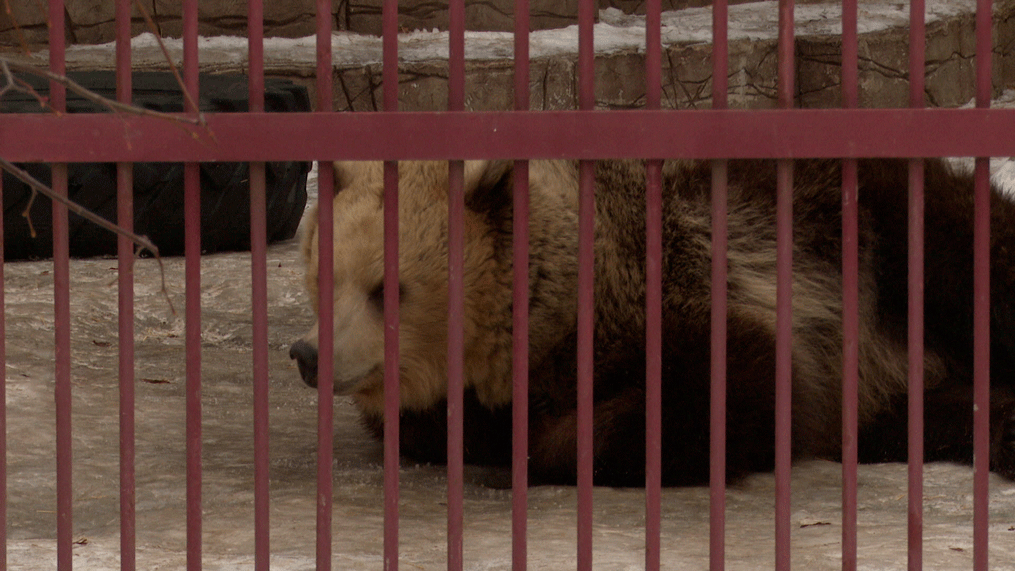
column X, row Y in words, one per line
column 687, row 68
column 91, row 21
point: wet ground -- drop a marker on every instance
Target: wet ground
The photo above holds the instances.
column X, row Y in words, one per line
column 357, row 518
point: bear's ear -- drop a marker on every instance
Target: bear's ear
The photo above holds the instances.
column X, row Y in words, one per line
column 489, row 187
column 344, row 173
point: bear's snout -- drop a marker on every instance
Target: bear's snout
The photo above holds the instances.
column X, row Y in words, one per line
column 305, row 355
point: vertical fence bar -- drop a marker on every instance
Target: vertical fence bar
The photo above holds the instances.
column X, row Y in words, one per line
column 784, row 307
column 325, row 277
column 259, row 294
column 717, row 382
column 850, row 298
column 61, row 310
column 916, row 208
column 981, row 304
column 520, row 311
column 981, row 365
column 325, row 363
column 653, row 298
column 456, row 294
column 586, row 277
column 391, row 301
column 192, row 248
column 917, row 44
column 125, row 295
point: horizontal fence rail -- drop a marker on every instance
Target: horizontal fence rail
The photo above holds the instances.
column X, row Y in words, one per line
column 704, row 134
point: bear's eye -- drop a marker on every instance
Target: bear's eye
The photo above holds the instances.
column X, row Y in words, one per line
column 376, row 295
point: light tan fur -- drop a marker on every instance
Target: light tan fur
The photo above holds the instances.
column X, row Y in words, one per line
column 358, row 268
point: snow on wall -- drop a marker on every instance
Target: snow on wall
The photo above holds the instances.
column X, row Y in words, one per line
column 615, row 32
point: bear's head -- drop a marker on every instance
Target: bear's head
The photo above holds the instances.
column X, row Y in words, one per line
column 358, row 316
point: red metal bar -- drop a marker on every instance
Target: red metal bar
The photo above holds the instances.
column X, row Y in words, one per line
column 456, row 294
column 259, row 296
column 259, row 303
column 456, row 340
column 325, row 344
column 981, row 304
column 717, row 407
column 521, row 61
column 783, row 362
column 917, row 44
column 850, row 299
column 653, row 54
column 125, row 313
column 784, row 308
column 787, row 54
column 653, row 364
column 325, row 363
column 255, row 55
column 586, row 277
column 520, row 370
column 389, row 41
column 520, row 312
column 391, row 360
column 850, row 362
column 391, row 320
column 653, row 299
column 456, row 55
column 981, row 365
column 916, row 212
column 62, row 394
column 588, row 135
column 192, row 248
column 61, row 310
column 323, row 47
column 586, row 55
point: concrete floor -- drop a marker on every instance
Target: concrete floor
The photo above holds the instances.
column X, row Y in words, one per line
column 357, row 527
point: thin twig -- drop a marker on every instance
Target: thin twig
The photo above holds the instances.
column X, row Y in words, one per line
column 40, row 188
column 17, row 28
column 169, row 59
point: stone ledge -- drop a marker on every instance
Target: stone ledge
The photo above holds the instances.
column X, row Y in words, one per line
column 92, row 22
column 687, row 64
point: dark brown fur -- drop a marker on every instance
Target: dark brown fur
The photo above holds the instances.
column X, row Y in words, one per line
column 619, row 364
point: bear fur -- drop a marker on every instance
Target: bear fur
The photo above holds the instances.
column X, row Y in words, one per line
column 619, row 333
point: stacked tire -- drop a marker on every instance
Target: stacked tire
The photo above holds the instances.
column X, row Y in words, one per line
column 158, row 186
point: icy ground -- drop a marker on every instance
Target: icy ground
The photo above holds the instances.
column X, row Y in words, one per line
column 358, row 516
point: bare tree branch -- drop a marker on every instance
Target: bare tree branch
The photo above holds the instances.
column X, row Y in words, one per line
column 39, row 188
column 8, row 65
column 165, row 54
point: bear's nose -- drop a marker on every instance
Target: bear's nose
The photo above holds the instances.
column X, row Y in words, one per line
column 306, row 359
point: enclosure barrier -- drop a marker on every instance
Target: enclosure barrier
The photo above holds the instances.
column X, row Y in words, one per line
column 584, row 134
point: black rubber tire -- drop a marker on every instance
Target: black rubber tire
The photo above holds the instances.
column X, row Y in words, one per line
column 158, row 187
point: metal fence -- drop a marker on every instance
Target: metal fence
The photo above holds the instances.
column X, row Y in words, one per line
column 585, row 134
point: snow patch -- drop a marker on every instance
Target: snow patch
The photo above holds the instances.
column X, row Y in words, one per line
column 615, row 32
column 1002, row 169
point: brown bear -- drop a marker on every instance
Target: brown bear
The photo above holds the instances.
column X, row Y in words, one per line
column 619, row 335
